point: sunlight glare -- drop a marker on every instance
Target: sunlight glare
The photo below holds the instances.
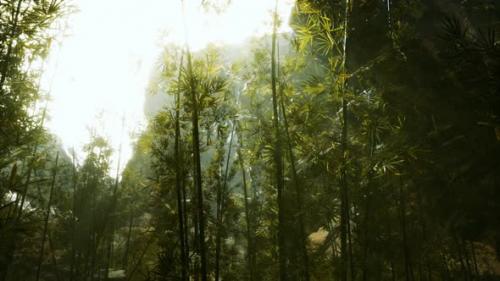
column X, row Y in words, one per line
column 99, row 73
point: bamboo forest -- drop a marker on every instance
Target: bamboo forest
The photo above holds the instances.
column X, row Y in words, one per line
column 249, row 140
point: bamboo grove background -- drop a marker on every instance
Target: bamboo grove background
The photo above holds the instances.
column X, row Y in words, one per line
column 364, row 145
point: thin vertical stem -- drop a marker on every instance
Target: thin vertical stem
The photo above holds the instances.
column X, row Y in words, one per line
column 250, row 248
column 73, row 221
column 47, row 218
column 278, row 159
column 299, row 193
column 344, row 205
column 178, row 182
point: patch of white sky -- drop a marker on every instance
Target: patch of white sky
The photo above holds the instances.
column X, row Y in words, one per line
column 98, row 73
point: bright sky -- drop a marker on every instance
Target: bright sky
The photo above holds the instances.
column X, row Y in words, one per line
column 102, row 67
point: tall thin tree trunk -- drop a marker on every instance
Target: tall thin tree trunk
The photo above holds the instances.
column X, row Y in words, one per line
column 198, row 184
column 299, row 195
column 250, row 248
column 47, row 218
column 218, row 232
column 93, row 235
column 73, row 222
column 178, row 183
column 186, row 222
column 196, row 236
column 109, row 217
column 278, row 158
column 367, row 211
column 349, row 237
column 221, row 195
column 197, row 170
column 344, row 197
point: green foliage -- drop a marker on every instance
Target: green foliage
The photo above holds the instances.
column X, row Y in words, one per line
column 390, row 152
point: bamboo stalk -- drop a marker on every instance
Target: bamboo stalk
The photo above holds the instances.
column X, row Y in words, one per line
column 47, row 218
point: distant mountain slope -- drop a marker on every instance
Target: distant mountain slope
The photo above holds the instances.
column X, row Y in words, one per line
column 156, row 99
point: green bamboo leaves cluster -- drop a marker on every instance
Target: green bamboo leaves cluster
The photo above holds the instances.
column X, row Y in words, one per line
column 327, row 147
column 361, row 146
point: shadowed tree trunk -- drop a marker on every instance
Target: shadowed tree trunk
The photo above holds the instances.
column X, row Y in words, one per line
column 222, row 194
column 278, row 156
column 250, row 254
column 299, row 194
column 178, row 183
column 198, row 184
column 368, row 212
column 197, row 169
column 46, row 220
column 73, row 221
column 344, row 197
